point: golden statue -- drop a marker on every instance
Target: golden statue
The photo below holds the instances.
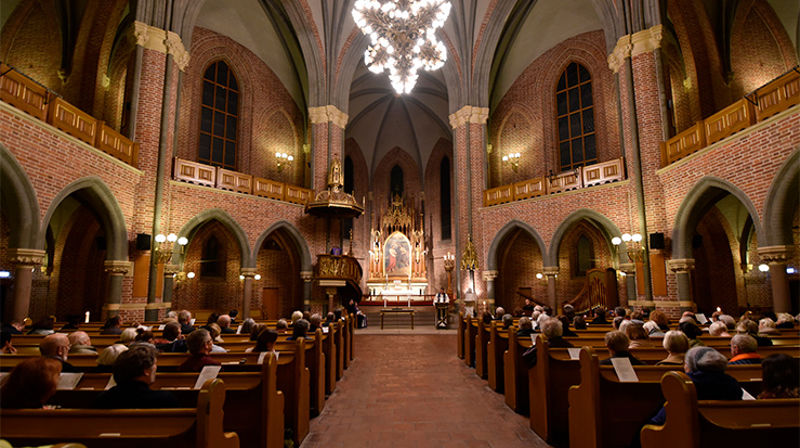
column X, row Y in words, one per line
column 335, row 175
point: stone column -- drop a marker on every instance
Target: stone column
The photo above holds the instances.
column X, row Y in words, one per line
column 331, row 292
column 682, row 267
column 488, row 277
column 169, row 283
column 25, row 261
column 249, row 275
column 116, row 270
column 630, row 282
column 308, row 278
column 776, row 257
column 551, row 272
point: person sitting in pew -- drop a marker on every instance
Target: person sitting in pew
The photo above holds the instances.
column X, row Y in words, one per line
column 224, row 322
column 185, row 319
column 620, row 312
column 171, row 340
column 109, row 355
column 80, row 343
column 661, row 319
column 56, row 346
column 299, row 330
column 145, row 337
column 43, row 327
column 5, row 344
column 330, row 319
column 200, row 345
column 780, row 377
column 315, row 322
column 232, row 314
column 636, row 334
column 14, row 327
column 785, row 321
column 718, row 328
column 134, row 372
column 617, row 344
column 767, row 326
column 599, row 316
column 743, row 350
column 747, row 326
column 281, row 326
column 127, row 336
column 652, row 330
column 30, row 384
column 487, row 318
column 508, row 321
column 247, row 326
column 692, row 331
column 569, row 312
column 499, row 313
column 214, row 331
column 617, row 322
column 257, row 329
column 729, row 321
column 706, row 368
column 579, row 323
column 297, row 315
column 676, row 344
column 525, row 327
column 113, row 325
column 566, row 332
column 552, row 333
column 265, row 343
column 73, row 322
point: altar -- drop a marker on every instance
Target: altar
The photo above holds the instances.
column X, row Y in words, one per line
column 397, row 268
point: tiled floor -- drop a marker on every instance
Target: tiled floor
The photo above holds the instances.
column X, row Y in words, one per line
column 412, row 391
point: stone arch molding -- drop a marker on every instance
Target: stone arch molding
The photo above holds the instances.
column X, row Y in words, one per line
column 781, row 203
column 705, row 192
column 99, row 197
column 605, row 225
column 296, row 237
column 19, row 200
column 194, row 224
column 492, row 262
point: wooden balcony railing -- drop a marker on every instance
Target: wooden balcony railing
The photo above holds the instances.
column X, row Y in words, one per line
column 338, row 267
column 584, row 177
column 766, row 101
column 28, row 96
column 210, row 176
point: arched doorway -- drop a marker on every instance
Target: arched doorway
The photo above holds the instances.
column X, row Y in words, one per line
column 516, row 255
column 584, row 247
column 280, row 290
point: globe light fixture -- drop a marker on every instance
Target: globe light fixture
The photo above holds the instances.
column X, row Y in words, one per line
column 763, row 267
column 402, row 36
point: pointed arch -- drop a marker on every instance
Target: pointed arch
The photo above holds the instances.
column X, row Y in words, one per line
column 297, row 239
column 492, row 262
column 19, row 201
column 605, row 225
column 95, row 193
column 194, row 224
column 706, row 192
column 781, row 203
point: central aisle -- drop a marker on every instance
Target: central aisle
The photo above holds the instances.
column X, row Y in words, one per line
column 412, row 391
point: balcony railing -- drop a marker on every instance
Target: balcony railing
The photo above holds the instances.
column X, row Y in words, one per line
column 210, row 176
column 774, row 97
column 28, row 96
column 583, row 177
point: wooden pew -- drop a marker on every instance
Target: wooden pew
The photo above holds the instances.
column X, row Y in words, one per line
column 548, row 384
column 606, row 412
column 481, row 340
column 200, row 427
column 293, row 381
column 460, row 336
column 329, row 349
column 693, row 424
column 469, row 341
column 341, row 352
column 496, row 347
column 515, row 374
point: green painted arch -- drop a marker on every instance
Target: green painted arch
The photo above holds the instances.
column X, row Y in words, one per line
column 605, row 225
column 297, row 238
column 216, row 214
column 93, row 192
column 492, row 262
column 782, row 202
column 706, row 192
column 19, row 202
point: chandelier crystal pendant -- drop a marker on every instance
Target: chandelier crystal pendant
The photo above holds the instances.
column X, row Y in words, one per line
column 402, row 37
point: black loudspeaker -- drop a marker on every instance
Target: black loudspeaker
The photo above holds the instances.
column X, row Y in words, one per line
column 657, row 240
column 101, row 243
column 142, row 241
column 697, row 241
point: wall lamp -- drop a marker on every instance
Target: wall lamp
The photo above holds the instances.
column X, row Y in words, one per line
column 282, row 159
column 513, row 160
column 166, row 244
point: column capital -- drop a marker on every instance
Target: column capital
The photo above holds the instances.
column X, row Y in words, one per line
column 681, row 265
column 248, row 272
column 118, row 267
column 489, row 275
column 775, row 254
column 631, row 45
column 469, row 114
column 329, row 113
column 307, row 276
column 171, row 269
column 162, row 41
column 26, row 257
column 627, row 268
column 550, row 271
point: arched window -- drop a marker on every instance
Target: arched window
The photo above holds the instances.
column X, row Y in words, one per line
column 212, row 260
column 585, row 258
column 396, row 181
column 575, row 116
column 444, row 200
column 219, row 116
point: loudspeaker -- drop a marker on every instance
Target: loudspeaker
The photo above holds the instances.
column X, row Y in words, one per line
column 657, row 240
column 142, row 241
column 697, row 241
column 101, row 243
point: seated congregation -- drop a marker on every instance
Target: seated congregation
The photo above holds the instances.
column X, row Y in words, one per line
column 259, row 386
column 629, row 377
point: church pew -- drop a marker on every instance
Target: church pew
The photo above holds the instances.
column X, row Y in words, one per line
column 515, row 374
column 691, row 423
column 329, row 349
column 548, row 383
column 469, row 341
column 606, row 412
column 481, row 339
column 293, row 381
column 460, row 336
column 253, row 404
column 341, row 355
column 496, row 347
column 199, row 427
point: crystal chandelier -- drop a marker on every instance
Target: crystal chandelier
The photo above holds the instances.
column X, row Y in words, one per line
column 402, row 37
